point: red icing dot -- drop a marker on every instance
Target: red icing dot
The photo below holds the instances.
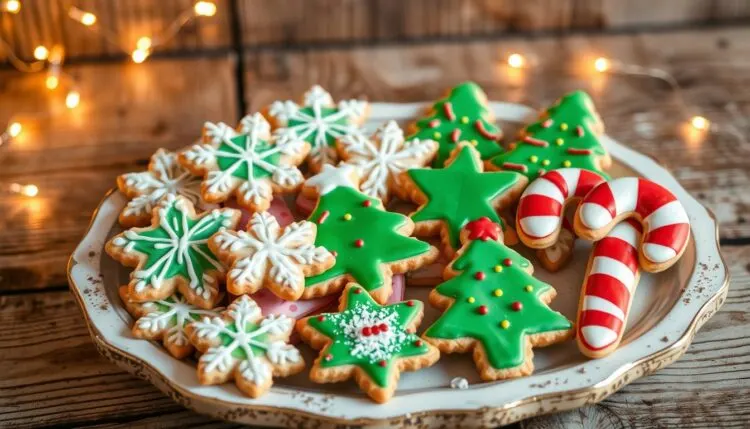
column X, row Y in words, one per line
column 483, row 310
column 410, row 303
column 358, row 291
column 293, row 307
column 375, row 330
column 507, row 262
column 483, row 229
column 479, row 275
column 383, row 327
column 516, row 306
column 367, row 203
column 366, row 331
column 329, row 356
column 321, row 318
column 383, row 363
column 418, row 343
column 359, row 242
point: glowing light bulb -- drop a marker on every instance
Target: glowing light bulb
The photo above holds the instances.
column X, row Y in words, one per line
column 14, row 129
column 88, row 19
column 139, row 55
column 144, row 43
column 205, row 8
column 41, row 53
column 13, row 6
column 602, row 64
column 700, row 123
column 72, row 99
column 516, row 61
column 30, row 190
column 52, row 82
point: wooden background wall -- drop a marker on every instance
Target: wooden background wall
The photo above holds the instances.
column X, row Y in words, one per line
column 310, row 22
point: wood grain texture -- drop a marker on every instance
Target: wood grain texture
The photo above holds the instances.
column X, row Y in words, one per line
column 53, row 374
column 126, row 113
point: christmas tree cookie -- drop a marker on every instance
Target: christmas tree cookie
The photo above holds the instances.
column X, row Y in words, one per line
column 450, row 197
column 367, row 341
column 248, row 163
column 566, row 135
column 243, row 345
column 173, row 254
column 145, row 189
column 369, row 243
column 494, row 306
column 461, row 116
column 382, row 158
column 166, row 320
column 318, row 121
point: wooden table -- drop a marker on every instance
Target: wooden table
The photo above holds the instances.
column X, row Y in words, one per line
column 51, row 372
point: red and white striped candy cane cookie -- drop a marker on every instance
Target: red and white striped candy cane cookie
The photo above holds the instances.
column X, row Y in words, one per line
column 608, row 287
column 542, row 205
column 666, row 227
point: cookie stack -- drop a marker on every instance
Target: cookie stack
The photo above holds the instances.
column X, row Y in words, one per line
column 221, row 267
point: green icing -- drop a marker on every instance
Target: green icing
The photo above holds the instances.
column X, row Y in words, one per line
column 239, row 352
column 377, row 228
column 558, row 127
column 301, row 121
column 460, row 192
column 230, row 156
column 375, row 354
column 504, row 346
column 469, row 105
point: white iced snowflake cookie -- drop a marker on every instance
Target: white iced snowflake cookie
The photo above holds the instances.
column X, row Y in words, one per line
column 271, row 256
column 165, row 320
column 383, row 157
column 318, row 121
column 248, row 162
column 331, row 177
column 145, row 189
column 243, row 345
column 173, row 254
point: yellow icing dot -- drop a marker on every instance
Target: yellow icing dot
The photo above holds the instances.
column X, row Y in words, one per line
column 528, row 288
column 498, row 268
column 505, row 324
column 464, row 119
column 545, row 162
column 437, row 135
column 567, row 163
column 348, row 216
column 563, row 126
column 470, row 300
column 474, row 142
column 497, row 292
column 559, row 141
column 533, row 158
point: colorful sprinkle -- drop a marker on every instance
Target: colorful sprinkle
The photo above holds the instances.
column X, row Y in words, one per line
column 357, row 291
column 437, row 135
column 479, row 275
column 418, row 343
column 375, row 330
column 410, row 303
column 528, row 288
column 474, row 142
column 567, row 163
column 329, row 357
column 470, row 300
column 359, row 242
column 323, row 216
column 366, row 331
column 455, row 135
column 563, row 126
column 383, row 363
column 516, row 306
column 579, row 131
column 482, row 309
column 559, row 141
column 321, row 318
column 366, row 203
column 498, row 269
column 507, row 262
column 464, row 119
column 505, row 324
column 383, row 327
column 448, row 110
column 348, row 216
column 545, row 162
column 548, row 123
column 434, row 123
column 497, row 292
column 533, row 158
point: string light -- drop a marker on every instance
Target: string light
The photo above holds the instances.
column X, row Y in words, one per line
column 139, row 55
column 14, row 129
column 30, row 191
column 41, row 53
column 602, row 64
column 516, row 61
column 52, row 82
column 700, row 123
column 72, row 99
column 205, row 8
column 86, row 18
column 12, row 6
column 144, row 43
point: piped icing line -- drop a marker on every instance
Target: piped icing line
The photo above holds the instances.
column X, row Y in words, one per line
column 535, row 142
column 607, row 293
column 448, row 110
column 666, row 224
column 515, row 167
column 479, row 125
column 455, row 135
column 574, row 151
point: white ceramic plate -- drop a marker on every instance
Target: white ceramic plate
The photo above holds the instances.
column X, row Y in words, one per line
column 668, row 308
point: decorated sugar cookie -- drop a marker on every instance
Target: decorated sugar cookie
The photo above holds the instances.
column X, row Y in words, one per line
column 166, row 320
column 461, row 116
column 172, row 254
column 450, row 197
column 145, row 189
column 666, row 227
column 367, row 341
column 541, row 212
column 566, row 135
column 318, row 121
column 329, row 178
column 494, row 306
column 243, row 345
column 369, row 243
column 383, row 157
column 248, row 163
column 267, row 255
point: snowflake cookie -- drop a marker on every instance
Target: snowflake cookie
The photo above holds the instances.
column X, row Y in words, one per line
column 249, row 163
column 382, row 158
column 173, row 253
column 145, row 189
column 165, row 320
column 271, row 256
column 244, row 345
column 370, row 342
column 319, row 121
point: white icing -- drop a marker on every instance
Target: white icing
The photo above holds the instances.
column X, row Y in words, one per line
column 658, row 253
column 668, row 214
column 540, row 226
column 598, row 336
column 571, row 176
column 330, row 178
column 591, row 302
column 170, row 322
column 385, row 156
column 614, row 268
column 459, row 383
column 594, row 216
column 625, row 192
column 625, row 232
column 542, row 186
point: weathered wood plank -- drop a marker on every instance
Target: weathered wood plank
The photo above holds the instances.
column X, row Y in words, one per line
column 640, row 112
column 53, row 374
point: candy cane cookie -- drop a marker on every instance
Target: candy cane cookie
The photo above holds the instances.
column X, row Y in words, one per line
column 609, row 285
column 666, row 228
column 541, row 210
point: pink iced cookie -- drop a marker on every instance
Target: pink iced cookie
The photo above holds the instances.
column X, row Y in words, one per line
column 278, row 209
column 305, row 205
